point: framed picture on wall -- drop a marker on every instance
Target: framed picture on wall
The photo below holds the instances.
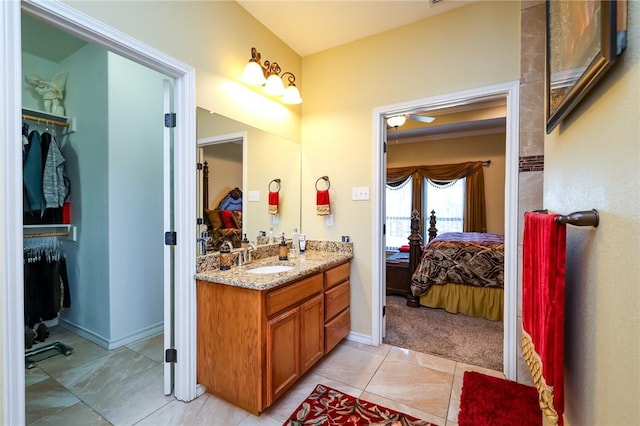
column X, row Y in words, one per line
column 584, row 39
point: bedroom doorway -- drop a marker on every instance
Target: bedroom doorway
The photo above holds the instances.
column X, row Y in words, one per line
column 508, row 93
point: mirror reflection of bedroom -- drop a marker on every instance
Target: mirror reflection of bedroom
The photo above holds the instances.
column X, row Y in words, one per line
column 444, row 281
column 222, row 195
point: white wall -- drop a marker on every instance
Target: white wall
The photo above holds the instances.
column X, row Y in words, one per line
column 86, row 155
column 136, row 234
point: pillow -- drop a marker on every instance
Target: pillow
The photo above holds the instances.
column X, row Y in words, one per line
column 406, row 248
column 214, row 219
column 237, row 218
column 227, row 219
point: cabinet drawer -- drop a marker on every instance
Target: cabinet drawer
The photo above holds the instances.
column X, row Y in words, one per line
column 292, row 294
column 336, row 329
column 336, row 299
column 336, row 275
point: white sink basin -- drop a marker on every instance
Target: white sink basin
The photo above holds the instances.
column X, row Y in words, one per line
column 270, row 269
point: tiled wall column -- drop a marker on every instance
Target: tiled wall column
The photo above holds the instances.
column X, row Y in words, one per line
column 531, row 168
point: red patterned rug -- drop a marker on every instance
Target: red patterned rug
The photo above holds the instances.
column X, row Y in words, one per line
column 326, row 406
column 487, row 400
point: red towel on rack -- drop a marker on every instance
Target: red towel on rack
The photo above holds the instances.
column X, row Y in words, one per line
column 274, row 200
column 322, row 200
column 543, row 281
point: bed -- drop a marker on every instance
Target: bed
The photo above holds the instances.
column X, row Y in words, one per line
column 224, row 223
column 460, row 272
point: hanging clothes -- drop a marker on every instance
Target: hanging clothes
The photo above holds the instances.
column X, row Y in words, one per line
column 46, row 283
column 32, row 174
column 46, row 186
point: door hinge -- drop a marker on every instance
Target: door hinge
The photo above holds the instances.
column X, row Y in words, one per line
column 199, row 166
column 170, row 119
column 384, row 147
column 199, row 221
column 170, row 238
column 171, row 355
column 384, row 229
column 384, row 310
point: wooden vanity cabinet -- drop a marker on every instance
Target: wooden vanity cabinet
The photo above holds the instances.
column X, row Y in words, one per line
column 337, row 295
column 295, row 336
column 253, row 345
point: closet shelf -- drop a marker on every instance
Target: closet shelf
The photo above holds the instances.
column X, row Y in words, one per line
column 53, row 230
column 47, row 117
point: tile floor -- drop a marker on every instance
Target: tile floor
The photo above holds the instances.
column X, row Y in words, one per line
column 94, row 386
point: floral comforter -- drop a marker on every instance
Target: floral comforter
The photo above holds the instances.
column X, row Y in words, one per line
column 470, row 258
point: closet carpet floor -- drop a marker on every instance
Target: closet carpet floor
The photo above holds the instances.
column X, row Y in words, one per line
column 94, row 386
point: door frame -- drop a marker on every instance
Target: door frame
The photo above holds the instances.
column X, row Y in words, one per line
column 58, row 14
column 509, row 91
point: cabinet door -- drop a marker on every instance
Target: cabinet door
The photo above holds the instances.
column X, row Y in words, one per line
column 283, row 353
column 311, row 332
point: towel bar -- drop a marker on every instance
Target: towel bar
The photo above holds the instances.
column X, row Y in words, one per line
column 581, row 218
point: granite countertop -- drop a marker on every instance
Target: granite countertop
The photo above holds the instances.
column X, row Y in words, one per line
column 310, row 262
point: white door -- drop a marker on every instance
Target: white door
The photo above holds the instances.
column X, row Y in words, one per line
column 169, row 248
column 383, row 203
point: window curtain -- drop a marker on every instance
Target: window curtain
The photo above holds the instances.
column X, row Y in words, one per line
column 475, row 216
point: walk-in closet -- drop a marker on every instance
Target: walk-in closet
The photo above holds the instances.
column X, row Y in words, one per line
column 93, row 259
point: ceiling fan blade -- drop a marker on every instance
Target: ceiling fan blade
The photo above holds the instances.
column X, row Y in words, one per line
column 423, row 118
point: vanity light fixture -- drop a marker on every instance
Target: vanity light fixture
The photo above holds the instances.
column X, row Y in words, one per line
column 270, row 75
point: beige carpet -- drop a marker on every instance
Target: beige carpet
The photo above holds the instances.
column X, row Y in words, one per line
column 475, row 341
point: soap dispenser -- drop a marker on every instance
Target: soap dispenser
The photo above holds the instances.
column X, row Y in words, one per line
column 225, row 256
column 283, row 249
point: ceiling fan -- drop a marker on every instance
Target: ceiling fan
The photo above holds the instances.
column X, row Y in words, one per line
column 399, row 119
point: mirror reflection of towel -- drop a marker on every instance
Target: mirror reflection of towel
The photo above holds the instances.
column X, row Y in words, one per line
column 274, row 200
column 322, row 200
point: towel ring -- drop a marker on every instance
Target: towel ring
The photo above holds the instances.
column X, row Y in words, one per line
column 324, row 178
column 277, row 182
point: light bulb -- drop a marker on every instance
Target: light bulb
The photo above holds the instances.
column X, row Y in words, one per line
column 253, row 74
column 292, row 95
column 274, row 86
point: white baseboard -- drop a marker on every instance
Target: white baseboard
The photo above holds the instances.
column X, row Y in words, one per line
column 360, row 338
column 116, row 343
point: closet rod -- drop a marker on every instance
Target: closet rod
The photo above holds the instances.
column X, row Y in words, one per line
column 44, row 120
column 47, row 234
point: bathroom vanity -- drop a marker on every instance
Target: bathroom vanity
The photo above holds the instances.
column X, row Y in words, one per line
column 258, row 333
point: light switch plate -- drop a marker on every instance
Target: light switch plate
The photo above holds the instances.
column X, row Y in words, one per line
column 360, row 193
column 276, row 219
column 254, row 195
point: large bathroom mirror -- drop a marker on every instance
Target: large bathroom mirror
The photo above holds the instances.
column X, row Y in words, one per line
column 241, row 156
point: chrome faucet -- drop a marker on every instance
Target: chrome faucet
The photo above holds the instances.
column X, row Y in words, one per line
column 203, row 240
column 244, row 255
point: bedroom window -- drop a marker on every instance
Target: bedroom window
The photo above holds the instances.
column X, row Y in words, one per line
column 398, row 214
column 447, row 199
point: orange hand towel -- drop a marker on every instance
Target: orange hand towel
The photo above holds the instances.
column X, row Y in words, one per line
column 323, row 204
column 274, row 200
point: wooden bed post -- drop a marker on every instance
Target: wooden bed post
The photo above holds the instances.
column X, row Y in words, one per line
column 205, row 188
column 432, row 226
column 415, row 252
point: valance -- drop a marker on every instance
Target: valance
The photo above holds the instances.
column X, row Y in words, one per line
column 475, row 218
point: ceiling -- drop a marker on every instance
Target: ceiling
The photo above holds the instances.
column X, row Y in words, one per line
column 312, row 26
